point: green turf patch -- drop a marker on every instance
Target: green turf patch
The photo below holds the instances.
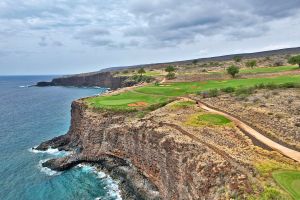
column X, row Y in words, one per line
column 127, row 101
column 290, row 181
column 204, row 119
column 259, row 70
column 180, row 89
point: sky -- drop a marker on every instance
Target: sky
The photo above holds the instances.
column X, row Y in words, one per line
column 73, row 36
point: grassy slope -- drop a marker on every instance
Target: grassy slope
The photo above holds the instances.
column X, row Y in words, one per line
column 155, row 94
column 290, row 181
column 177, row 89
column 268, row 69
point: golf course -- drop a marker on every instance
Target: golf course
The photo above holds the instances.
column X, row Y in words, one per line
column 156, row 94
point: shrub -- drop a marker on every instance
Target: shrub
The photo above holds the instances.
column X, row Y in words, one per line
column 233, row 70
column 244, row 91
column 141, row 71
column 213, row 93
column 125, row 72
column 195, row 62
column 237, row 58
column 228, row 89
column 271, row 86
column 242, row 97
column 259, row 86
column 294, row 60
column 278, row 63
column 288, row 85
column 137, row 78
column 170, row 75
column 251, row 63
column 170, row 69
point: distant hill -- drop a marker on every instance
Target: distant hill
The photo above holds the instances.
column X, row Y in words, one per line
column 295, row 50
column 105, row 77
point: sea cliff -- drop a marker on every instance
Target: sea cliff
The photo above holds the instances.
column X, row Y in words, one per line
column 103, row 79
column 153, row 159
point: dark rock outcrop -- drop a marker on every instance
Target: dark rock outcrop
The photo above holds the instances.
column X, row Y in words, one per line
column 44, row 84
column 105, row 80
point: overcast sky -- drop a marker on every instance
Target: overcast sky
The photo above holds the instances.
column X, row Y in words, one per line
column 72, row 36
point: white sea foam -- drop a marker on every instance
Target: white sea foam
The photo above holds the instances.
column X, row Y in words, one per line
column 50, row 151
column 25, row 86
column 112, row 186
column 47, row 170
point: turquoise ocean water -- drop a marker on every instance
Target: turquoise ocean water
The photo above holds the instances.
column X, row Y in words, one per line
column 28, row 116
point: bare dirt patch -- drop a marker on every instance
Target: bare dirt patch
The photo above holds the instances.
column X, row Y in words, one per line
column 138, row 104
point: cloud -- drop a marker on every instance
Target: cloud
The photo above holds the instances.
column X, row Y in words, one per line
column 94, row 37
column 43, row 42
column 149, row 23
column 155, row 30
column 57, row 43
column 175, row 22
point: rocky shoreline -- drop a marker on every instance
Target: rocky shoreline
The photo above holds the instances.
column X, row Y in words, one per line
column 133, row 184
column 103, row 79
column 152, row 160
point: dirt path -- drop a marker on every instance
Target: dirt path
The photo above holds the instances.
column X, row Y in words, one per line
column 295, row 155
column 164, row 80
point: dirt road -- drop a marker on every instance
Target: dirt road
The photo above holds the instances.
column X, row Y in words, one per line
column 295, row 155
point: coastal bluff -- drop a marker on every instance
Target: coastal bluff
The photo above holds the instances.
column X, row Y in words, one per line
column 96, row 79
column 152, row 159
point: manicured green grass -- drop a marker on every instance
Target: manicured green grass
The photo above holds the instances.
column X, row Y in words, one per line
column 258, row 70
column 205, row 119
column 123, row 100
column 290, row 181
column 178, row 89
column 213, row 119
column 158, row 94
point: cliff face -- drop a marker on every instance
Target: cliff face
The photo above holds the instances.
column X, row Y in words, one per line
column 172, row 165
column 105, row 79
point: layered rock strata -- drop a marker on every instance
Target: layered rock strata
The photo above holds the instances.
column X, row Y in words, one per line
column 154, row 160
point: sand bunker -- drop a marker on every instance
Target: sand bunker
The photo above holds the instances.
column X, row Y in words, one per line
column 138, row 104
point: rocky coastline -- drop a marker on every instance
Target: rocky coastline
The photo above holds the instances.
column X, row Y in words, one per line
column 133, row 183
column 152, row 160
column 100, row 79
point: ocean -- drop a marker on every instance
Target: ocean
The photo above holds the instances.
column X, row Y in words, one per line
column 28, row 116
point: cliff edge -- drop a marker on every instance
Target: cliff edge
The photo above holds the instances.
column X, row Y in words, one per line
column 104, row 79
column 155, row 160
